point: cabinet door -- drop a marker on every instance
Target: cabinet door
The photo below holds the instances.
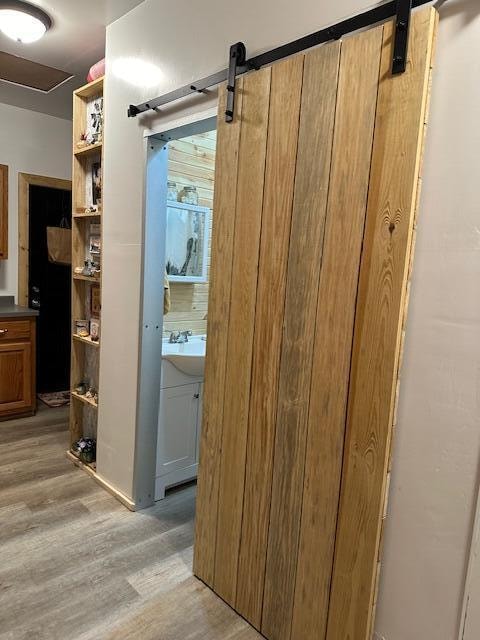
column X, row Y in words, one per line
column 177, row 428
column 15, row 377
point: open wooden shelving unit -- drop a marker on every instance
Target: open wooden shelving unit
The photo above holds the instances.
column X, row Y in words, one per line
column 85, row 352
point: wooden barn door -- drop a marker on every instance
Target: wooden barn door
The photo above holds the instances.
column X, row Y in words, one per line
column 316, row 190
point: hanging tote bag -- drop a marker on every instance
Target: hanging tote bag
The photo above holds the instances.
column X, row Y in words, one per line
column 166, row 294
column 59, row 243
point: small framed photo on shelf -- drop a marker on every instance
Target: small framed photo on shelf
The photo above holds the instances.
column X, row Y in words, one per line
column 95, row 301
column 95, row 240
column 94, row 124
column 95, row 245
column 96, row 183
column 95, row 329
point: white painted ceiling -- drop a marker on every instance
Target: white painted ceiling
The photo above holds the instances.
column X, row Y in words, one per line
column 75, row 42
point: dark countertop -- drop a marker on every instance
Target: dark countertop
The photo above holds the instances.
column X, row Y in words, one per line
column 8, row 309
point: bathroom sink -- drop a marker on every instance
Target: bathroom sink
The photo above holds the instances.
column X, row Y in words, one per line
column 188, row 357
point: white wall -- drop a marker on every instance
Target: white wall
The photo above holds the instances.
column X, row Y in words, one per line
column 437, row 444
column 30, row 142
column 438, row 440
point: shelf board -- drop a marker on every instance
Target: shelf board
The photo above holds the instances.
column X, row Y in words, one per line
column 89, row 468
column 78, row 216
column 88, row 150
column 84, row 399
column 79, row 276
column 91, row 89
column 86, row 340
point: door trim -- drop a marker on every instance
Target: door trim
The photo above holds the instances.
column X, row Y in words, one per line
column 25, row 180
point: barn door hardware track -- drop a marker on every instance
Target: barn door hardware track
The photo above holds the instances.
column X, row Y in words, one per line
column 238, row 64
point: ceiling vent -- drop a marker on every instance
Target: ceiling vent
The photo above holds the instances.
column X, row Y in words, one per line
column 32, row 75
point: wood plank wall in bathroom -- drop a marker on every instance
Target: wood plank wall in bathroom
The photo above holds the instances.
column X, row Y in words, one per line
column 191, row 162
column 315, row 201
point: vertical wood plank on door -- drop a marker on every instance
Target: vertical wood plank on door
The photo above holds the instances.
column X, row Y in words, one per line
column 248, row 218
column 284, row 113
column 401, row 112
column 305, row 257
column 218, row 319
column 347, row 202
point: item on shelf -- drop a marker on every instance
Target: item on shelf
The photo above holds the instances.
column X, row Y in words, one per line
column 93, row 208
column 94, row 131
column 97, row 70
column 85, row 449
column 96, row 183
column 82, row 142
column 90, row 269
column 86, row 269
column 189, row 195
column 172, row 191
column 167, row 298
column 95, row 239
column 95, row 270
column 81, row 388
column 95, row 244
column 95, row 329
column 91, row 393
column 95, row 301
column 81, row 328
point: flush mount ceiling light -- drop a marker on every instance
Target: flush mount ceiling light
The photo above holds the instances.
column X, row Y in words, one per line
column 22, row 21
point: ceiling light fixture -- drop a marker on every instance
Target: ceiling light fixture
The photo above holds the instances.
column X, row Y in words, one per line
column 22, row 21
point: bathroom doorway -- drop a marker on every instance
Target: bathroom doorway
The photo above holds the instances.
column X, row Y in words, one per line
column 179, row 218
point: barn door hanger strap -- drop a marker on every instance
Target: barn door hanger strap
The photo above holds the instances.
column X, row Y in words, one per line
column 238, row 65
column 402, row 28
column 237, row 58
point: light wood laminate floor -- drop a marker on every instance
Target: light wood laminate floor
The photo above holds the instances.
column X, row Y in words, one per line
column 76, row 565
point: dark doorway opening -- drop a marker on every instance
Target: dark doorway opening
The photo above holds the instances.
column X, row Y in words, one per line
column 49, row 289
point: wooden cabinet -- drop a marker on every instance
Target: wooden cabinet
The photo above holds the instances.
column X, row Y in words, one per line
column 178, row 436
column 17, row 367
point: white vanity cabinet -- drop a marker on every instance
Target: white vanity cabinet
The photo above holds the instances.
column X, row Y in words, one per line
column 179, row 425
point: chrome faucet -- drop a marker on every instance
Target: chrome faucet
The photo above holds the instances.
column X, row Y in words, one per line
column 179, row 337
